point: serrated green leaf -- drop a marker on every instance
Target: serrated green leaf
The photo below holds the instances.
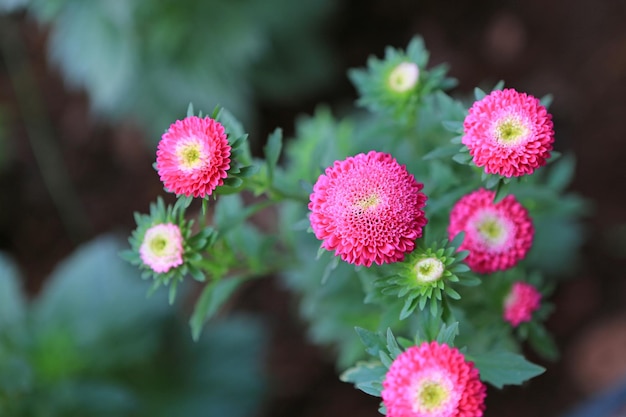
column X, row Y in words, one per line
column 491, row 181
column 542, row 342
column 232, row 182
column 546, row 100
column 441, row 152
column 505, row 368
column 248, row 171
column 462, row 158
column 560, row 174
column 213, row 296
column 374, row 343
column 447, row 333
column 470, row 281
column 453, row 126
column 479, row 94
column 385, row 359
column 332, row 265
column 410, row 303
column 458, row 240
column 182, row 202
column 365, row 376
column 459, row 268
column 452, row 293
column 272, row 151
column 392, row 344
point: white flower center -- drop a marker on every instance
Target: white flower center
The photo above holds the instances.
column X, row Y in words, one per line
column 428, row 270
column 403, row 77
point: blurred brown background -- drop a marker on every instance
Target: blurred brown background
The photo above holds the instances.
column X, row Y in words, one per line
column 574, row 49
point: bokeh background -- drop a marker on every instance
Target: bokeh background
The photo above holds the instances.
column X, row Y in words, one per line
column 87, row 87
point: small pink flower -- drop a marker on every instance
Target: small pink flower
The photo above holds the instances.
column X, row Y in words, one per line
column 433, row 380
column 368, row 208
column 508, row 133
column 497, row 235
column 162, row 247
column 193, row 156
column 521, row 302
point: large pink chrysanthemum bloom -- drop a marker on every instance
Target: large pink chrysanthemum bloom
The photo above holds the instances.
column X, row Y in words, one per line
column 162, row 247
column 193, row 156
column 508, row 133
column 521, row 302
column 433, row 380
column 368, row 209
column 497, row 235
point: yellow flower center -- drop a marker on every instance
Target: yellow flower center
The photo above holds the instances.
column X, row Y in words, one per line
column 431, row 395
column 190, row 155
column 493, row 230
column 510, row 131
column 403, row 77
column 368, row 202
column 158, row 244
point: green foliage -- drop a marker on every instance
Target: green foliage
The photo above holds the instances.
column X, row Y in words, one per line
column 148, row 59
column 505, row 368
column 92, row 344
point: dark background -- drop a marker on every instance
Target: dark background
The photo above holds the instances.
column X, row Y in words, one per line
column 574, row 49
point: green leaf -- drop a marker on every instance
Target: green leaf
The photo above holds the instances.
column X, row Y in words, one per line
column 392, row 344
column 561, row 173
column 212, row 298
column 453, row 126
column 505, row 368
column 441, row 152
column 272, row 151
column 546, row 100
column 366, row 376
column 479, row 94
column 447, row 333
column 374, row 342
column 542, row 341
column 462, row 158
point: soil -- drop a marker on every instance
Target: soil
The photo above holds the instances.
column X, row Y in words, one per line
column 574, row 49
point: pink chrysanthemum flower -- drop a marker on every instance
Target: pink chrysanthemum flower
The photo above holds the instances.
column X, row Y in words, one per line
column 193, row 156
column 433, row 380
column 497, row 235
column 521, row 302
column 508, row 133
column 162, row 247
column 368, row 208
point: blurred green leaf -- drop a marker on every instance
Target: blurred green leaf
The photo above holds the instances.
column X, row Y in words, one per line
column 272, row 151
column 505, row 368
column 214, row 295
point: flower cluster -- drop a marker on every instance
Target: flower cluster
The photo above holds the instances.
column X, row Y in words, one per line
column 497, row 235
column 433, row 380
column 368, row 209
